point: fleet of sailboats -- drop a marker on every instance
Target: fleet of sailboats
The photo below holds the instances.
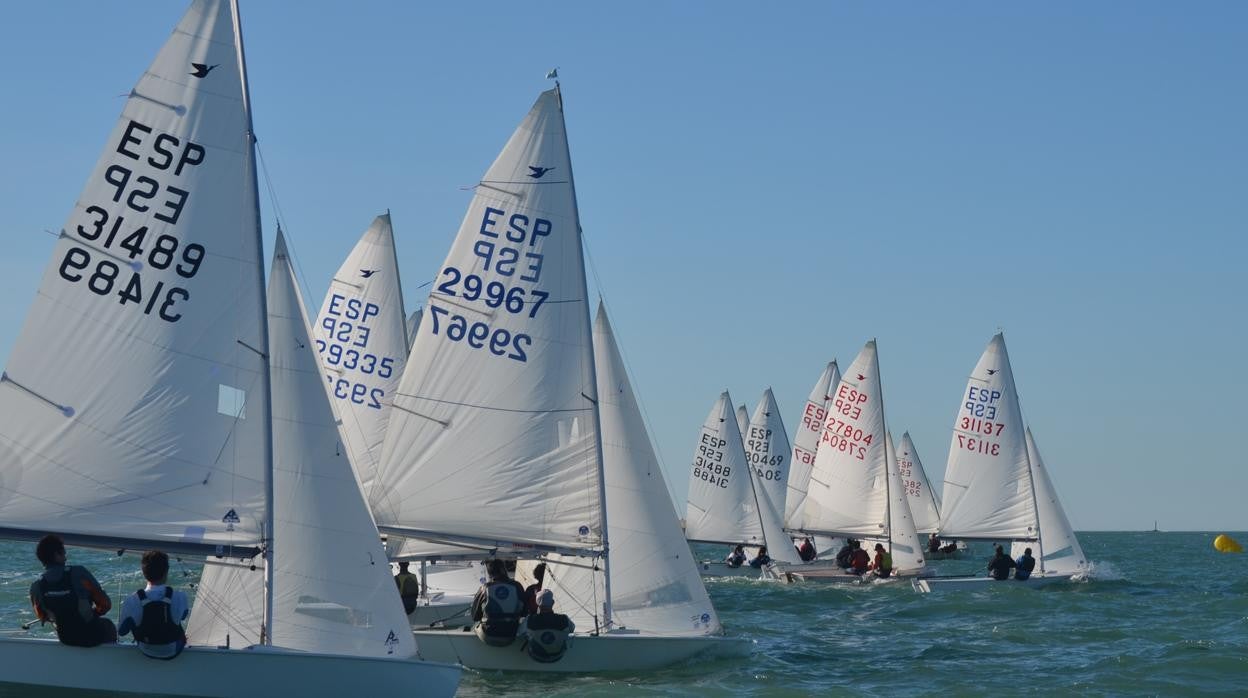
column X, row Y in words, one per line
column 172, row 401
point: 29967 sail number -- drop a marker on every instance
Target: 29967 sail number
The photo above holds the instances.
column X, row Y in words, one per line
column 478, row 335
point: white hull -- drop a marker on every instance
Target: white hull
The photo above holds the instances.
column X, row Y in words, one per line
column 450, row 613
column 829, row 571
column 721, row 569
column 616, row 651
column 203, row 671
column 931, row 584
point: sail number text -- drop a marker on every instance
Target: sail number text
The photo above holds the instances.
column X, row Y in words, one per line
column 758, row 452
column 980, row 409
column 117, row 255
column 346, row 330
column 708, row 464
column 844, row 436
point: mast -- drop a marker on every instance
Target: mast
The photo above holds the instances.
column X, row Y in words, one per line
column 267, row 624
column 593, row 377
column 888, row 444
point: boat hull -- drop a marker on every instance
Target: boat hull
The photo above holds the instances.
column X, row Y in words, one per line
column 616, row 651
column 451, row 613
column 829, row 571
column 210, row 671
column 930, row 584
column 721, row 569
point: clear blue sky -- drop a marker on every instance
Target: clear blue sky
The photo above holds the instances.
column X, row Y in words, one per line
column 766, row 187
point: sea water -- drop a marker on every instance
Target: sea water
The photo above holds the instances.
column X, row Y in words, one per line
column 1165, row 614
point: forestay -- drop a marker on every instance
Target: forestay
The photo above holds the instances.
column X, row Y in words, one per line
column 1059, row 549
column 655, row 585
column 848, row 490
column 133, row 409
column 988, row 490
column 721, row 506
column 806, row 444
column 331, row 581
column 501, row 368
column 922, row 498
column 361, row 336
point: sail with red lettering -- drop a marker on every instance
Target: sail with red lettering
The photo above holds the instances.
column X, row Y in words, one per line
column 361, row 338
column 721, row 507
column 848, row 494
column 988, row 492
column 806, row 444
column 922, row 497
column 134, row 408
column 481, row 446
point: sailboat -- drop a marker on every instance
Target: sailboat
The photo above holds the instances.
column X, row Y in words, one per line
column 924, row 504
column 996, row 487
column 855, row 488
column 806, row 444
column 494, row 442
column 137, row 403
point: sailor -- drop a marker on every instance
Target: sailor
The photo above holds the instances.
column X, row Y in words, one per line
column 155, row 613
column 845, row 555
column 498, row 607
column 806, row 551
column 1000, row 565
column 736, row 558
column 409, row 587
column 859, row 561
column 882, row 565
column 548, row 631
column 933, row 543
column 70, row 598
column 762, row 558
column 531, row 591
column 1025, row 564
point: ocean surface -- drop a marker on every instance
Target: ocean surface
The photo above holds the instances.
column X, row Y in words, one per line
column 1165, row 614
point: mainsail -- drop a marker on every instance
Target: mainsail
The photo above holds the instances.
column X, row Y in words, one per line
column 361, row 336
column 721, row 507
column 655, row 584
column 848, row 485
column 806, row 444
column 767, row 450
column 479, row 447
column 922, row 500
column 988, row 486
column 133, row 410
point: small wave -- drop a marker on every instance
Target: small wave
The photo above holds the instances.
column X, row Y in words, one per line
column 1100, row 571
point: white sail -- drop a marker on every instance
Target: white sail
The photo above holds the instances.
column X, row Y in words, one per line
column 988, row 491
column 903, row 540
column 848, row 490
column 655, row 585
column 768, row 451
column 361, row 336
column 413, row 324
column 1062, row 553
column 502, row 366
column 923, row 502
column 133, row 405
column 806, row 444
column 743, row 420
column 721, row 506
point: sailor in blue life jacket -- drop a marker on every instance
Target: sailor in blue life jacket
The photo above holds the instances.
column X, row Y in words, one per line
column 761, row 559
column 1000, row 565
column 498, row 607
column 70, row 598
column 546, row 631
column 736, row 558
column 155, row 614
column 1026, row 563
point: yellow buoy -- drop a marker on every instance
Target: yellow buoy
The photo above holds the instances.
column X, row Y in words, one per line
column 1225, row 544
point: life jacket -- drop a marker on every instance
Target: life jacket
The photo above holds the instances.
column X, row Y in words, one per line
column 1024, row 567
column 885, row 568
column 70, row 612
column 157, row 633
column 504, row 607
column 859, row 560
column 409, row 590
column 547, row 644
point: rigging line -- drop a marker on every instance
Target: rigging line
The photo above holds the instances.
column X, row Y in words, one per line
column 281, row 222
column 628, row 369
column 486, row 407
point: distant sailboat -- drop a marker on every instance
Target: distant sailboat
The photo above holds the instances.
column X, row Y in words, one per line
column 806, row 444
column 996, row 486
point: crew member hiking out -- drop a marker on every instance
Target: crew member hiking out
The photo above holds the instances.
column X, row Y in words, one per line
column 1024, row 565
column 1000, row 565
column 882, row 565
column 70, row 598
column 498, row 607
column 155, row 614
column 548, row 631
